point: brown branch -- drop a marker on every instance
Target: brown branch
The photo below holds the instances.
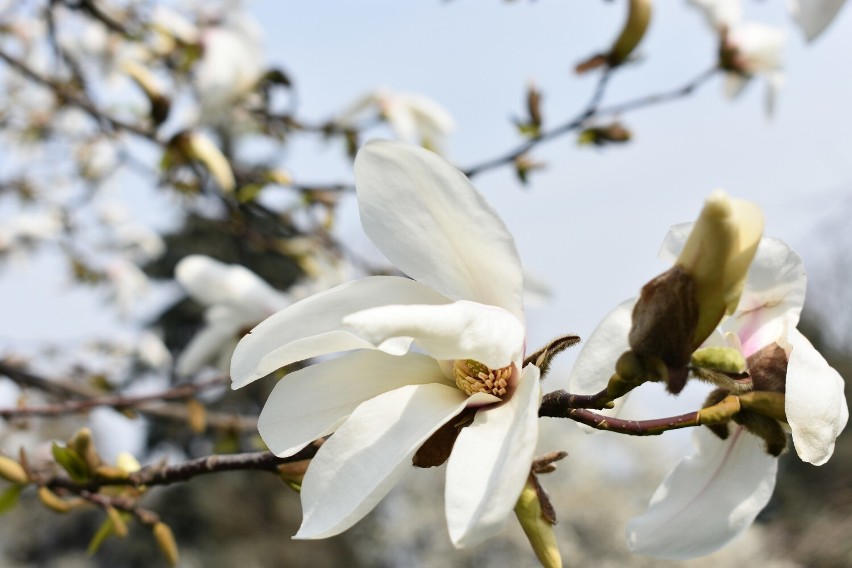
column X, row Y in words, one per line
column 156, row 475
column 553, row 403
column 118, row 402
column 653, row 427
column 591, row 111
column 172, row 411
column 67, row 95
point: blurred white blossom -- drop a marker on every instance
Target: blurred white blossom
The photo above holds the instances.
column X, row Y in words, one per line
column 414, row 118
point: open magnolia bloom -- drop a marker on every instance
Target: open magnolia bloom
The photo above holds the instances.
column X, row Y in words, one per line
column 236, row 299
column 715, row 494
column 464, row 394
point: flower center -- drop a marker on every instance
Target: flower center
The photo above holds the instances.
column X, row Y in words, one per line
column 472, row 377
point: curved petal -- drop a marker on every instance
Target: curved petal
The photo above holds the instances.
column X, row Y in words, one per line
column 211, row 282
column 461, row 330
column 206, row 346
column 707, row 499
column 312, row 402
column 596, row 362
column 427, row 218
column 814, row 403
column 813, row 16
column 773, row 296
column 313, row 327
column 369, row 453
column 674, row 242
column 401, row 120
column 490, row 464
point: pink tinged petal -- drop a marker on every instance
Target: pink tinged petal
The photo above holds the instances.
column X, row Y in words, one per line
column 596, row 362
column 427, row 218
column 490, row 464
column 461, row 330
column 312, row 402
column 772, row 298
column 708, row 499
column 313, row 326
column 815, row 403
column 813, row 16
column 369, row 454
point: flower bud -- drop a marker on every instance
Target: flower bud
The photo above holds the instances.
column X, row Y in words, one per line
column 638, row 18
column 166, row 542
column 194, row 146
column 717, row 256
column 539, row 530
column 11, row 471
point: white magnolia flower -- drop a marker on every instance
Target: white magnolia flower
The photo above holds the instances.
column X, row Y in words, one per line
column 231, row 65
column 236, row 299
column 464, row 313
column 720, row 14
column 813, row 16
column 129, row 284
column 714, row 495
column 748, row 48
column 414, row 118
column 756, row 50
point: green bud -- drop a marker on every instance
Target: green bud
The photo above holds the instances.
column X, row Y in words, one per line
column 538, row 529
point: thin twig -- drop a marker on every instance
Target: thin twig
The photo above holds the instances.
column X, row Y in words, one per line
column 169, row 474
column 118, row 402
column 68, row 96
column 592, row 110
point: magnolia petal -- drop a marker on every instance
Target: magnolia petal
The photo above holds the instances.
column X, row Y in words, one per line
column 707, row 499
column 720, row 14
column 369, row 454
column 596, row 362
column 814, row 403
column 205, row 347
column 734, row 84
column 211, row 282
column 490, row 464
column 312, row 402
column 427, row 218
column 401, row 120
column 312, row 327
column 813, row 16
column 772, row 298
column 461, row 330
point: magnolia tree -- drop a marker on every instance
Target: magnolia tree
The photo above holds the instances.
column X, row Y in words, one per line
column 433, row 364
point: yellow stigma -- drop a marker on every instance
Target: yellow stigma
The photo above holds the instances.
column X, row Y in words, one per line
column 472, row 377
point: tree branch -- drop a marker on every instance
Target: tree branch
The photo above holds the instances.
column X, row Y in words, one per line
column 592, row 111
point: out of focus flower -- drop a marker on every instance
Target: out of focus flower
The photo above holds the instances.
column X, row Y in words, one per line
column 464, row 398
column 128, row 283
column 235, row 299
column 752, row 49
column 29, row 229
column 814, row 16
column 138, row 242
column 414, row 118
column 231, row 65
column 747, row 49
